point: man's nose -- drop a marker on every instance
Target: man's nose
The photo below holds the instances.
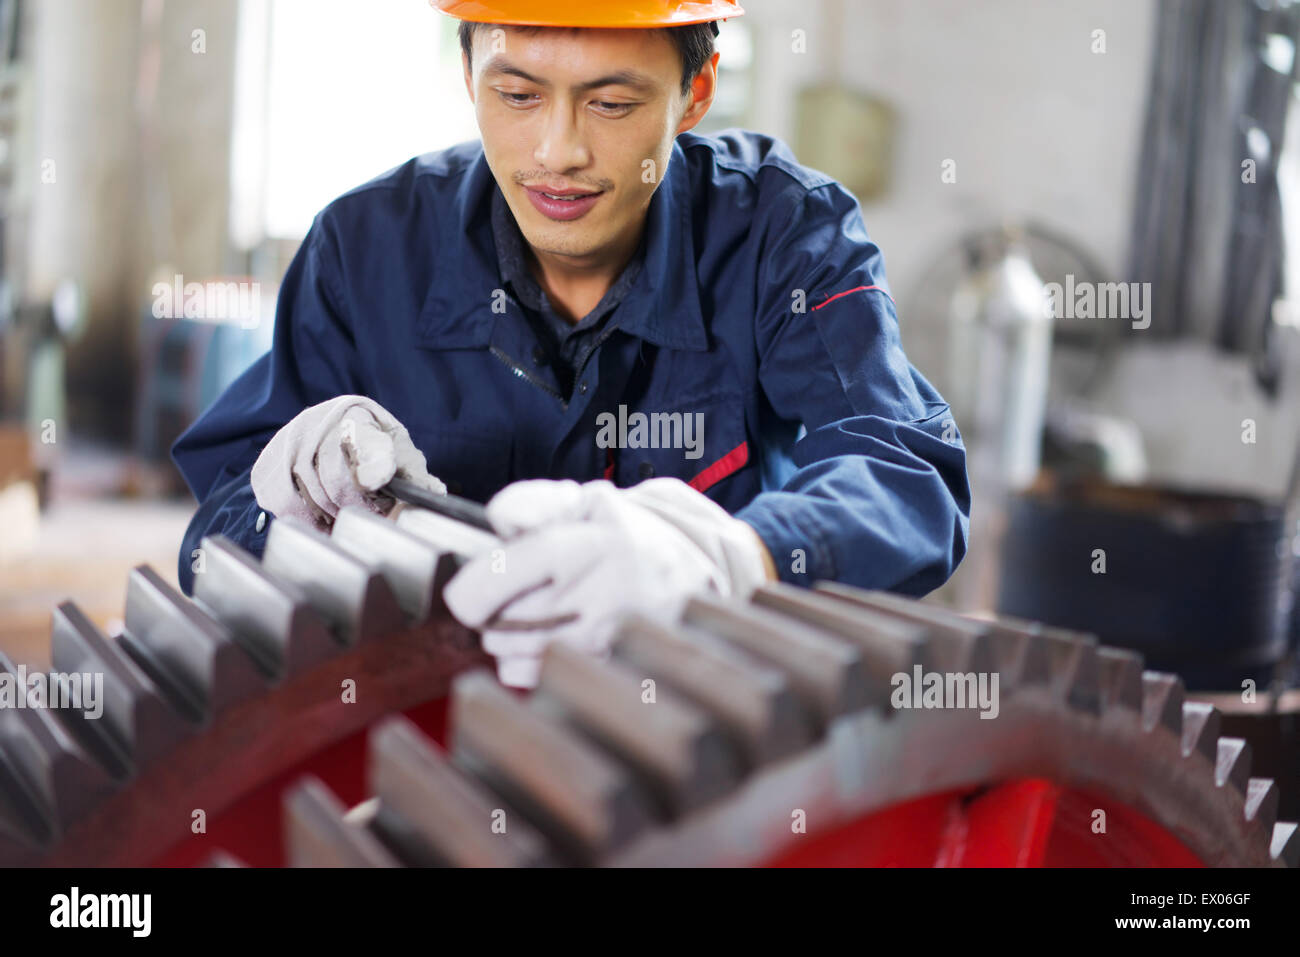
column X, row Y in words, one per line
column 562, row 147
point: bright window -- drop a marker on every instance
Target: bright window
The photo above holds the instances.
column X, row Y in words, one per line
column 330, row 94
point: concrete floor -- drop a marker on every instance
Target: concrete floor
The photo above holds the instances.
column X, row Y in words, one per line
column 84, row 551
column 88, row 539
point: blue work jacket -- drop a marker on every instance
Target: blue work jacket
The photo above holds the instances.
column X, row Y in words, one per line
column 762, row 309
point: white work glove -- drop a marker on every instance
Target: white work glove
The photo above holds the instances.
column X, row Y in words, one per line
column 578, row 558
column 335, row 454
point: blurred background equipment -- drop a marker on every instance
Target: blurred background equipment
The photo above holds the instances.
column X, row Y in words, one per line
column 19, row 495
column 1207, row 226
column 1193, row 581
column 187, row 361
column 1209, row 535
column 981, row 331
column 844, row 132
column 999, row 341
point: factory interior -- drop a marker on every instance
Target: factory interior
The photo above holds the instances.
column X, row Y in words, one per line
column 1133, row 449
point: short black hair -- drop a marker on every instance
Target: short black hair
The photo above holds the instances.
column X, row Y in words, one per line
column 694, row 42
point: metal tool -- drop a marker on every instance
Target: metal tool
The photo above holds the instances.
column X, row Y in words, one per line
column 461, row 509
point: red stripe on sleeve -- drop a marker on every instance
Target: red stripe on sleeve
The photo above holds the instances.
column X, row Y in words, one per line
column 849, row 292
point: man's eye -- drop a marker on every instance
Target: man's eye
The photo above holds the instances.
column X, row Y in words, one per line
column 614, row 109
column 516, row 99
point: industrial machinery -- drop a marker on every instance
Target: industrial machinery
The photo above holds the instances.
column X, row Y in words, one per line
column 320, row 707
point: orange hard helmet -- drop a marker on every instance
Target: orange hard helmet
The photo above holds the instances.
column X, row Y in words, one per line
column 586, row 13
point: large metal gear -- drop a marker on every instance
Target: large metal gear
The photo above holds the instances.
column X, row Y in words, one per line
column 751, row 733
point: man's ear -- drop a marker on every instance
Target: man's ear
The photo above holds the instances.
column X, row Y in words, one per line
column 703, row 87
column 469, row 75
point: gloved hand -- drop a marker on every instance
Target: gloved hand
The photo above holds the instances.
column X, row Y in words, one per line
column 578, row 558
column 337, row 453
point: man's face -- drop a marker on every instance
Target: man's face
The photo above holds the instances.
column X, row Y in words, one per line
column 591, row 113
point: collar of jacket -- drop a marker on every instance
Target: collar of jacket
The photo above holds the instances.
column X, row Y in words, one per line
column 663, row 306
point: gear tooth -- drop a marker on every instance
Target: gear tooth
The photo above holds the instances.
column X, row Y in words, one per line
column 463, row 539
column 318, row 832
column 888, row 645
column 958, row 643
column 1285, row 848
column 1162, row 701
column 534, row 760
column 1019, row 654
column 1232, row 764
column 826, row 672
column 1201, row 723
column 684, row 755
column 147, row 712
column 759, row 713
column 269, row 616
column 186, row 642
column 414, row 569
column 221, row 859
column 1121, row 678
column 432, row 814
column 23, row 833
column 1261, row 802
column 45, row 769
column 1075, row 672
column 979, row 655
column 357, row 601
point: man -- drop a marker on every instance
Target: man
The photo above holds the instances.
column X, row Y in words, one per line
column 686, row 343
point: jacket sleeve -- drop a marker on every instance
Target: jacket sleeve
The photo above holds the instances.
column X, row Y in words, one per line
column 879, row 497
column 312, row 358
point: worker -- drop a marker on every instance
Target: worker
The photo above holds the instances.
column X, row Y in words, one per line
column 669, row 363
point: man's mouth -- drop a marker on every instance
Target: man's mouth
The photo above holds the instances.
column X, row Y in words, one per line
column 565, row 193
column 562, row 203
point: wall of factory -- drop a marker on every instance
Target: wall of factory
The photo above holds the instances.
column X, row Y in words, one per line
column 1065, row 123
column 1045, row 130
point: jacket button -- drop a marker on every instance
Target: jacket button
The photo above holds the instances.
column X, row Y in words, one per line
column 539, row 356
column 646, row 470
column 583, row 388
column 261, row 522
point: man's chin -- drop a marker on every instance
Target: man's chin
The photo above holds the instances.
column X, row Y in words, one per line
column 563, row 241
